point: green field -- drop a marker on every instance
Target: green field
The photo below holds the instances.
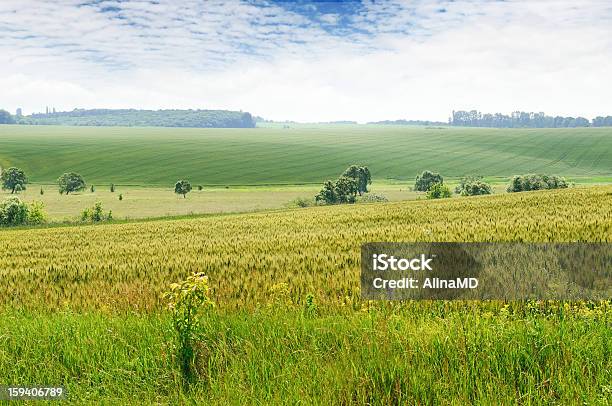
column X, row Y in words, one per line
column 150, row 202
column 305, row 154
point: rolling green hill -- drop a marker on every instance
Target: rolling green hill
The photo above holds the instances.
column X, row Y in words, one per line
column 304, row 154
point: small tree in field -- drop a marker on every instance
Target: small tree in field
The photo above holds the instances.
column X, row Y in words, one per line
column 70, row 182
column 438, row 191
column 362, row 175
column 182, row 187
column 327, row 194
column 426, row 180
column 13, row 179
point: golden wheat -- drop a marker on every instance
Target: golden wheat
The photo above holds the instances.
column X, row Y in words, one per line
column 314, row 250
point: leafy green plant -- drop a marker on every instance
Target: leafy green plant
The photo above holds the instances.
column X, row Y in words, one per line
column 95, row 214
column 13, row 212
column 36, row 213
column 438, row 191
column 188, row 301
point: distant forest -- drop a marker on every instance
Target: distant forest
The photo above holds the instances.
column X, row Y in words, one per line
column 521, row 119
column 408, row 122
column 137, row 118
column 238, row 119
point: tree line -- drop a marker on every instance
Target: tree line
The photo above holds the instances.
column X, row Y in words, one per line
column 141, row 118
column 522, row 119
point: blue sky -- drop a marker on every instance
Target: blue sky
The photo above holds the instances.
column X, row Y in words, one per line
column 309, row 61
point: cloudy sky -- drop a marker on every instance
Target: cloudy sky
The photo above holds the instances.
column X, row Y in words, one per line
column 307, row 61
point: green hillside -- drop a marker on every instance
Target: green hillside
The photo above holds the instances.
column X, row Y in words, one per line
column 305, row 154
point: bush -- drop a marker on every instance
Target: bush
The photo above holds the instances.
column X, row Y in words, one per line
column 426, row 180
column 95, row 214
column 36, row 213
column 372, row 198
column 301, row 202
column 473, row 186
column 14, row 212
column 524, row 183
column 438, row 191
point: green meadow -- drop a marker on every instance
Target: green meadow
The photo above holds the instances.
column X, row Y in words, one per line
column 300, row 155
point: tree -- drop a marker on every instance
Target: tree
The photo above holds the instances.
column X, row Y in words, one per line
column 524, row 183
column 13, row 179
column 327, row 194
column 362, row 175
column 6, row 118
column 182, row 187
column 426, row 180
column 473, row 186
column 438, row 191
column 346, row 189
column 70, row 182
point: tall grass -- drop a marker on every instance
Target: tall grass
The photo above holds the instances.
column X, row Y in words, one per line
column 416, row 353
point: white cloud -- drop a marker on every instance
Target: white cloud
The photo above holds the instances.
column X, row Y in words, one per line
column 389, row 60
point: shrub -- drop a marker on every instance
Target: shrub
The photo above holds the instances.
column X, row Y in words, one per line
column 473, row 186
column 426, row 180
column 200, row 187
column 36, row 213
column 13, row 212
column 523, row 183
column 372, row 198
column 95, row 214
column 438, row 191
column 301, row 202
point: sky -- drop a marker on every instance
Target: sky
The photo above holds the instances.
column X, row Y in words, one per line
column 309, row 61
